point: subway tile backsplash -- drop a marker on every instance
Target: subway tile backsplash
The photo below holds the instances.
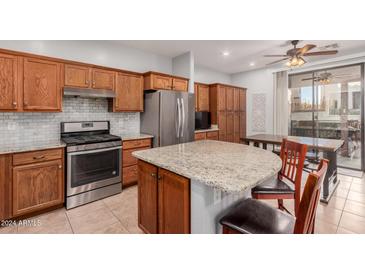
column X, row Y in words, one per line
column 31, row 127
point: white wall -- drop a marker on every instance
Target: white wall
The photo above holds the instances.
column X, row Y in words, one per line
column 208, row 76
column 103, row 53
column 183, row 65
column 257, row 81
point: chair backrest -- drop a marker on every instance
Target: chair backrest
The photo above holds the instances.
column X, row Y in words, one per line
column 308, row 205
column 292, row 155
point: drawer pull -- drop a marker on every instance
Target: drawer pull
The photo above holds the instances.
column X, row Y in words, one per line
column 60, row 166
column 38, row 157
column 153, row 174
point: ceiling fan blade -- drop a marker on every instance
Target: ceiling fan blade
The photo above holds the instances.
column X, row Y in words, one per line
column 306, row 48
column 312, row 78
column 327, row 52
column 278, row 61
column 276, row 55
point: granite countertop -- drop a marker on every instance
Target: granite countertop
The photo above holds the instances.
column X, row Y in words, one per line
column 135, row 136
column 212, row 128
column 30, row 146
column 226, row 166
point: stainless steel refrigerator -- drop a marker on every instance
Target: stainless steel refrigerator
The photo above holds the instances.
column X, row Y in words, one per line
column 169, row 116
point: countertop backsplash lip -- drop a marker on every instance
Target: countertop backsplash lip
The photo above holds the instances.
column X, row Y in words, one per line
column 20, row 128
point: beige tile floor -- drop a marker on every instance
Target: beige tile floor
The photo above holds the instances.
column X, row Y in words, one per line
column 345, row 213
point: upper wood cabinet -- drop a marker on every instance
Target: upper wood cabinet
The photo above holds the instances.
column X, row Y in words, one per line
column 202, row 97
column 155, row 80
column 236, row 101
column 179, row 84
column 103, row 79
column 221, row 99
column 88, row 77
column 129, row 93
column 229, row 98
column 242, row 104
column 77, row 76
column 42, row 85
column 8, row 82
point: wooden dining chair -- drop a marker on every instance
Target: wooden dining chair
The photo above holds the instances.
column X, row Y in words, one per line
column 256, row 217
column 287, row 184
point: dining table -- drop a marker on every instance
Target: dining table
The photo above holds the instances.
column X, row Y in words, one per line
column 328, row 147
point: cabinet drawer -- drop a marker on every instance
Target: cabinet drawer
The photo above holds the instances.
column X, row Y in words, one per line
column 200, row 136
column 128, row 159
column 130, row 174
column 212, row 135
column 137, row 143
column 36, row 156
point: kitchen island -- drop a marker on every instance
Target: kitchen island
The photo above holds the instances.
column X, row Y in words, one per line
column 185, row 188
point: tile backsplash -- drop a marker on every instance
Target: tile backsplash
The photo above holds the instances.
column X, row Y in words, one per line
column 30, row 127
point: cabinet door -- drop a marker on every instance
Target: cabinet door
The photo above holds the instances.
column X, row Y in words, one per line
column 242, row 124
column 229, row 98
column 230, row 127
column 213, row 135
column 5, row 186
column 196, row 96
column 221, row 98
column 236, row 101
column 236, row 127
column 161, row 82
column 180, row 84
column 147, row 197
column 222, row 125
column 103, row 79
column 200, row 136
column 37, row 186
column 129, row 92
column 42, row 85
column 8, row 82
column 173, row 203
column 77, row 76
column 242, row 100
column 203, row 93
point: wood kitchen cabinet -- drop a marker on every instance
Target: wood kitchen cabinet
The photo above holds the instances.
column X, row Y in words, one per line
column 163, row 200
column 227, row 107
column 129, row 162
column 41, row 85
column 9, row 86
column 129, row 93
column 209, row 135
column 156, row 80
column 88, row 77
column 201, row 97
column 5, row 186
column 37, row 184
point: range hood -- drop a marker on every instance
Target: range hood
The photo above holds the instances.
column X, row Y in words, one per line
column 88, row 93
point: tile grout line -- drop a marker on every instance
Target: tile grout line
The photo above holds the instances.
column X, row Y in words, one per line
column 69, row 222
column 115, row 216
column 343, row 209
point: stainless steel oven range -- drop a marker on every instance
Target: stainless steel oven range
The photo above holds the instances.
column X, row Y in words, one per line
column 93, row 162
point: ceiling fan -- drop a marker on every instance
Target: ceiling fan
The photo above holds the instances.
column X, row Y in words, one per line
column 295, row 55
column 326, row 77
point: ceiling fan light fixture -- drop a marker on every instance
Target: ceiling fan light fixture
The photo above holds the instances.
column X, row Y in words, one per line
column 295, row 61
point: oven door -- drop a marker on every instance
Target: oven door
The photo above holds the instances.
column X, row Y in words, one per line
column 92, row 169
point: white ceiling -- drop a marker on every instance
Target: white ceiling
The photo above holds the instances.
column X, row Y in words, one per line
column 242, row 52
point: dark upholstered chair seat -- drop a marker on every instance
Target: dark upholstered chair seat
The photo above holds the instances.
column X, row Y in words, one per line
column 256, row 217
column 273, row 186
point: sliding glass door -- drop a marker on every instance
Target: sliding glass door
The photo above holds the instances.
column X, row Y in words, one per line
column 329, row 104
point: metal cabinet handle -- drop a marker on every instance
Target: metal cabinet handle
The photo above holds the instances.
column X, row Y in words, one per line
column 153, row 174
column 60, row 166
column 159, row 177
column 38, row 157
column 14, row 103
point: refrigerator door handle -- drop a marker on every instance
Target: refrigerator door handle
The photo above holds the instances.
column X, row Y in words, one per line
column 178, row 120
column 183, row 117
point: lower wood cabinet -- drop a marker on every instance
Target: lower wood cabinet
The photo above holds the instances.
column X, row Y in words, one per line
column 129, row 163
column 163, row 200
column 208, row 135
column 5, row 186
column 37, row 186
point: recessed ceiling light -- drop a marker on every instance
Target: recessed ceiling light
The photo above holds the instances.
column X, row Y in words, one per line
column 225, row 53
column 252, row 64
